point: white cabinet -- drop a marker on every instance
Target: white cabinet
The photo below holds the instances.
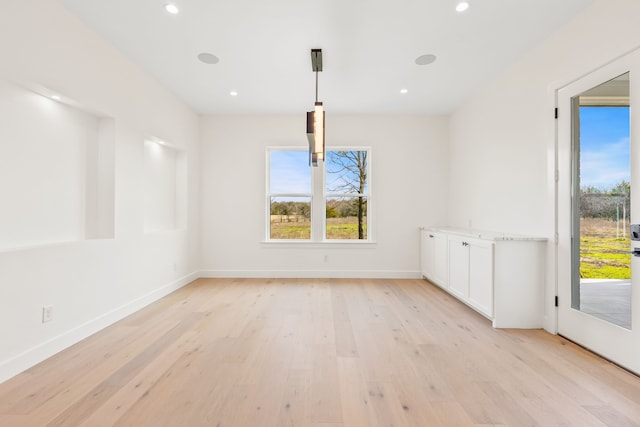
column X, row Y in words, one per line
column 440, row 260
column 500, row 276
column 481, row 276
column 519, row 283
column 459, row 267
column 471, row 272
column 434, row 264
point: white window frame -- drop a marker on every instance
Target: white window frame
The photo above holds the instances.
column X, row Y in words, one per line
column 318, row 198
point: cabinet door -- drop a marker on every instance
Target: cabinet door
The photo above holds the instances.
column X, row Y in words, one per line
column 481, row 276
column 426, row 254
column 440, row 260
column 459, row 267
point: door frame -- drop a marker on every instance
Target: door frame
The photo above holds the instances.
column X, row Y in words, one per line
column 613, row 342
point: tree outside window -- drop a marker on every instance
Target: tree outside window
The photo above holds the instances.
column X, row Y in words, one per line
column 346, row 192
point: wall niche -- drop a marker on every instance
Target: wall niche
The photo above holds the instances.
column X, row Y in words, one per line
column 56, row 170
column 165, row 174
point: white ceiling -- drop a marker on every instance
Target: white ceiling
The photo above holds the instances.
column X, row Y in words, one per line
column 369, row 49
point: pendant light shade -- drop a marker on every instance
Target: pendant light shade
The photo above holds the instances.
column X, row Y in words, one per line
column 315, row 134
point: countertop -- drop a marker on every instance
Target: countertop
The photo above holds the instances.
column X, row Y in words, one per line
column 483, row 234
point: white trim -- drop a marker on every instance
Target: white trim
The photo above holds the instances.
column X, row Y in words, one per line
column 300, row 243
column 563, row 83
column 311, row 274
column 612, row 342
column 31, row 357
column 551, row 312
column 318, row 198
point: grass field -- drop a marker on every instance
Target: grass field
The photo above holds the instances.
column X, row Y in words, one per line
column 344, row 228
column 602, row 255
column 291, row 230
column 337, row 228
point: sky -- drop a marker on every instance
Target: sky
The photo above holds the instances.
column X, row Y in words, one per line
column 604, row 146
column 290, row 172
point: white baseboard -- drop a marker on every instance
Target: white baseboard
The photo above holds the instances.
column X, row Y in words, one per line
column 37, row 354
column 31, row 357
column 311, row 274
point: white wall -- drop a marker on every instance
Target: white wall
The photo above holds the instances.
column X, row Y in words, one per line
column 408, row 180
column 502, row 139
column 90, row 283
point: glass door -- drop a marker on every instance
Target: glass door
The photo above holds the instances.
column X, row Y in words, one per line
column 601, row 178
column 597, row 202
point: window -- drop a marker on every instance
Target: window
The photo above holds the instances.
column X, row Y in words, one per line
column 327, row 203
column 346, row 194
column 289, row 195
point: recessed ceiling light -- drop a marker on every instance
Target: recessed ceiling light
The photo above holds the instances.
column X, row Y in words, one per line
column 426, row 59
column 403, row 91
column 208, row 58
column 171, row 8
column 55, row 97
column 233, row 93
column 462, row 6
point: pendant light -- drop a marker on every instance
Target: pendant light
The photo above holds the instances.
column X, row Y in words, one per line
column 315, row 118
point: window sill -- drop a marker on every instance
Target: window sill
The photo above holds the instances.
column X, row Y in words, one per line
column 320, row 244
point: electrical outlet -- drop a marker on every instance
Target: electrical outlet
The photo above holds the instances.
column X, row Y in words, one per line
column 47, row 313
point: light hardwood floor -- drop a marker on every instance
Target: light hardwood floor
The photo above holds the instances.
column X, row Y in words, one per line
column 318, row 352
